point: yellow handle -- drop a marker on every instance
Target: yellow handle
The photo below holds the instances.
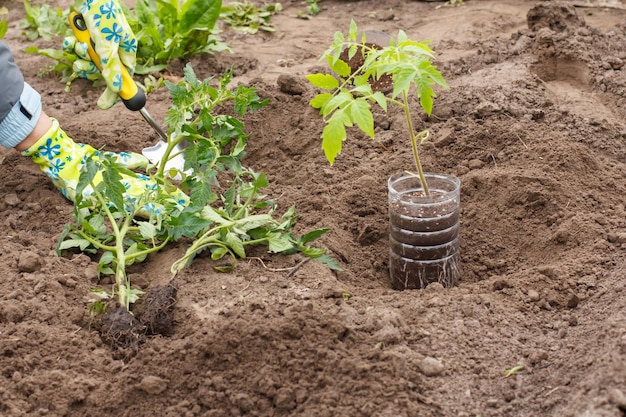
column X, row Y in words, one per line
column 133, row 97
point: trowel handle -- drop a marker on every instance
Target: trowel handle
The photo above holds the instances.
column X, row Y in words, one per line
column 134, row 99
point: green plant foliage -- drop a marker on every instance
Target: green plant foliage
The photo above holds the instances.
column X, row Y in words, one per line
column 228, row 216
column 165, row 30
column 226, row 212
column 44, row 21
column 245, row 17
column 346, row 100
column 106, row 224
column 170, row 29
column 4, row 26
column 312, row 9
column 63, row 62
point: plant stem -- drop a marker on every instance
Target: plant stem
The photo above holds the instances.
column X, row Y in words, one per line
column 123, row 285
column 416, row 157
column 95, row 242
column 243, row 209
column 196, row 248
column 154, row 248
column 167, row 154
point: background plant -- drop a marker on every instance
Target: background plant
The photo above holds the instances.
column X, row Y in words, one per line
column 166, row 30
column 312, row 9
column 170, row 29
column 4, row 26
column 246, row 17
column 347, row 99
column 44, row 21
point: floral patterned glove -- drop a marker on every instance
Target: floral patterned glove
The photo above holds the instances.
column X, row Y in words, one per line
column 61, row 159
column 83, row 67
column 115, row 44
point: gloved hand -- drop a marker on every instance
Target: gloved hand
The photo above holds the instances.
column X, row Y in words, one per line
column 61, row 159
column 115, row 44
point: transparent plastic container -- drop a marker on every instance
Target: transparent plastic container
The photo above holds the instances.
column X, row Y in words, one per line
column 424, row 231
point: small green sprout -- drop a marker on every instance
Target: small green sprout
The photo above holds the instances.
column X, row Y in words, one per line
column 513, row 371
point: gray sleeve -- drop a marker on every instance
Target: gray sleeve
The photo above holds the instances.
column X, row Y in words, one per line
column 11, row 80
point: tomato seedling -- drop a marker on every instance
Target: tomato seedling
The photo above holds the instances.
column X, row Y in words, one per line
column 106, row 222
column 347, row 97
column 224, row 210
column 225, row 219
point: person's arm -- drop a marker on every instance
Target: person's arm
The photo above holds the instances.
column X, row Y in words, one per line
column 27, row 128
column 20, row 104
column 41, row 127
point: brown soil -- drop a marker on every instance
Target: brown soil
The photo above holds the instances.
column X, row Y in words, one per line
column 533, row 125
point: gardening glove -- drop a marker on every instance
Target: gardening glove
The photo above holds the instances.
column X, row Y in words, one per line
column 115, row 44
column 83, row 66
column 61, row 159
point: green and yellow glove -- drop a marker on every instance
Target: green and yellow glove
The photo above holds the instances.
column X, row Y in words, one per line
column 115, row 44
column 61, row 159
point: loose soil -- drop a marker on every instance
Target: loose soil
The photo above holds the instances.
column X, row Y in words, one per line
column 533, row 125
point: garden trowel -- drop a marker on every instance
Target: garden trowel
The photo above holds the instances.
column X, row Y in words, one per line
column 134, row 99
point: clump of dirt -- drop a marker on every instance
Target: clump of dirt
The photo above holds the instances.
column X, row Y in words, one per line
column 152, row 315
column 553, row 15
column 156, row 310
column 120, row 330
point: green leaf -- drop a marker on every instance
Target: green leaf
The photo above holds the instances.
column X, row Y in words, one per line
column 260, row 180
column 201, row 195
column 133, row 295
column 338, row 38
column 132, row 249
column 235, row 244
column 361, row 114
column 96, row 225
column 330, row 262
column 210, row 214
column 147, row 230
column 339, row 66
column 64, row 234
column 426, row 99
column 312, row 235
column 252, row 222
column 4, row 26
column 340, row 100
column 320, row 100
column 323, row 81
column 333, row 135
column 107, row 258
column 279, row 242
column 217, row 253
column 352, row 31
column 114, row 189
column 189, row 75
column 311, row 252
column 199, row 15
column 403, row 77
column 186, row 224
column 353, row 50
column 380, row 99
column 87, row 174
column 81, row 244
